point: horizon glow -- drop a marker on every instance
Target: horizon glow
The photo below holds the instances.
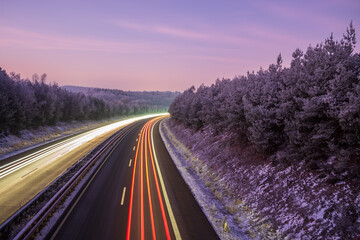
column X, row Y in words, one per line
column 161, row 45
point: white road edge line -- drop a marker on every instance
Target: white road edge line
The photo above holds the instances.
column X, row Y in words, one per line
column 130, row 162
column 167, row 202
column 123, row 196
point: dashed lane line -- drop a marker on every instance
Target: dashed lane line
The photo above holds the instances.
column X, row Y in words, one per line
column 123, row 196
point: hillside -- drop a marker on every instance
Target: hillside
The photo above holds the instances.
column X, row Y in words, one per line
column 152, row 99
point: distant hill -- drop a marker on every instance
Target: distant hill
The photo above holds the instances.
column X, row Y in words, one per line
column 151, row 98
column 29, row 104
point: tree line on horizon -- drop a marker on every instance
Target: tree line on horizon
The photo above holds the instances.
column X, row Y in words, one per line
column 29, row 104
column 160, row 99
column 308, row 111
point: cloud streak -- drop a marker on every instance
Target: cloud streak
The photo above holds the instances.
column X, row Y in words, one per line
column 35, row 40
column 191, row 34
column 306, row 15
column 250, row 36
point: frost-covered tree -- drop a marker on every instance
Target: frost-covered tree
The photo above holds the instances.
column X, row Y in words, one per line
column 28, row 104
column 309, row 111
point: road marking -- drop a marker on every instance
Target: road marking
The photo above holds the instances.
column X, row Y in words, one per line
column 123, row 196
column 130, row 163
column 137, row 139
column 134, row 148
column 167, row 202
column 30, row 172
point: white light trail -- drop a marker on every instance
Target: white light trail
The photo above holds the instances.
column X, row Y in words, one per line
column 65, row 146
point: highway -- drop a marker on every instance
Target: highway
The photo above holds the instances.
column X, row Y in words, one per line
column 137, row 193
column 25, row 175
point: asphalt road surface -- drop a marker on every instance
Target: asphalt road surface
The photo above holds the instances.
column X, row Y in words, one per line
column 23, row 176
column 137, row 194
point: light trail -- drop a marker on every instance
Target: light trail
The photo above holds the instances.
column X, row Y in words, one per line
column 158, row 190
column 145, row 155
column 167, row 202
column 59, row 149
column 149, row 191
column 132, row 193
column 142, row 146
column 142, row 188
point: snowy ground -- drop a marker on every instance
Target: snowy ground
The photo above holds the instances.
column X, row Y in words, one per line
column 267, row 201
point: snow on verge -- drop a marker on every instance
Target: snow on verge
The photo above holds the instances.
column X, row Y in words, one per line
column 214, row 210
column 276, row 200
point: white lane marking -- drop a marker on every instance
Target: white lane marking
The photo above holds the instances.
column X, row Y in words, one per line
column 167, row 202
column 130, row 162
column 123, row 196
column 134, row 148
column 137, row 139
column 30, row 172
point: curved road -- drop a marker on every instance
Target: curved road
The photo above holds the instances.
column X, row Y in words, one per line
column 137, row 194
column 23, row 176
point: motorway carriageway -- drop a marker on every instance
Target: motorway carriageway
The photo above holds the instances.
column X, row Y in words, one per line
column 23, row 177
column 137, row 193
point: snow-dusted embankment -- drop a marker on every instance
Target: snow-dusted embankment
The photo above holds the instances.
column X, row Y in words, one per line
column 209, row 191
column 258, row 198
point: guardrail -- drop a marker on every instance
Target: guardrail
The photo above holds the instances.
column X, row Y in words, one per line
column 37, row 222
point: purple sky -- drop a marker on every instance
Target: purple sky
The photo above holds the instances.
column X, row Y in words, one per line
column 161, row 45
